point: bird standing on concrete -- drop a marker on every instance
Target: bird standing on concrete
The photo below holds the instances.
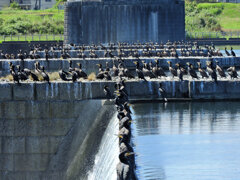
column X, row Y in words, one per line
column 202, row 71
column 232, row 72
column 45, row 75
column 179, row 72
column 226, row 51
column 125, row 168
column 211, row 71
column 191, row 71
column 172, row 70
column 107, row 92
column 162, row 92
column 232, row 52
column 139, row 71
column 220, row 70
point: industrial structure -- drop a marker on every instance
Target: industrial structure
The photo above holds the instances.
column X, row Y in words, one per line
column 106, row 21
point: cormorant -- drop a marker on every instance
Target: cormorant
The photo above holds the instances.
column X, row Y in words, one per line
column 46, row 54
column 21, row 75
column 232, row 72
column 115, row 70
column 63, row 75
column 70, row 66
column 125, row 146
column 123, row 139
column 74, row 76
column 157, row 70
column 127, row 108
column 107, row 67
column 191, row 71
column 107, row 76
column 179, row 72
column 34, row 76
column 100, row 74
column 202, row 71
column 211, row 71
column 37, row 68
column 220, row 70
column 107, row 92
column 147, row 71
column 171, row 69
column 163, row 92
column 81, row 73
column 139, row 71
column 226, row 51
column 127, row 73
column 125, row 131
column 125, row 122
column 125, row 170
column 45, row 75
column 13, row 73
column 232, row 52
column 21, row 55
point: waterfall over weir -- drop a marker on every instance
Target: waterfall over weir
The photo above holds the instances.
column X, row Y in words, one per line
column 107, row 157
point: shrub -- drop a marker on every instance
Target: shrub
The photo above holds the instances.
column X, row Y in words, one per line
column 15, row 5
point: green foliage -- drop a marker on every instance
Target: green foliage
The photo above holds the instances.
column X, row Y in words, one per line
column 207, row 17
column 15, row 5
column 19, row 22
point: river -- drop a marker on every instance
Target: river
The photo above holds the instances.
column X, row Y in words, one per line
column 187, row 140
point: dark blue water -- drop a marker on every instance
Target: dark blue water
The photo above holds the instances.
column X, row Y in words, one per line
column 189, row 141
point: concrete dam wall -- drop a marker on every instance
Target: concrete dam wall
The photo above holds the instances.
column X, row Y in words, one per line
column 64, row 91
column 48, row 139
column 54, row 131
column 104, row 21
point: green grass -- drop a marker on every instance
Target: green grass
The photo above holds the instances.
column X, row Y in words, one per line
column 13, row 21
column 210, row 17
column 31, row 38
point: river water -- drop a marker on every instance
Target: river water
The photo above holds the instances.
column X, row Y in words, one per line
column 187, row 140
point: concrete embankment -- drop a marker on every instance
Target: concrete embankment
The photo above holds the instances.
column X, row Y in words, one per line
column 89, row 64
column 48, row 139
column 52, row 131
column 64, row 91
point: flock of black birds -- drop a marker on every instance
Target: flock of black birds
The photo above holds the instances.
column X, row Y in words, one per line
column 126, row 166
column 120, row 50
column 117, row 53
column 23, row 74
column 142, row 71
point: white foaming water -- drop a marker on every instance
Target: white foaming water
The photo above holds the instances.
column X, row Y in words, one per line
column 107, row 157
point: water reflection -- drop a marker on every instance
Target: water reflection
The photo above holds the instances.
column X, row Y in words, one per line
column 187, row 140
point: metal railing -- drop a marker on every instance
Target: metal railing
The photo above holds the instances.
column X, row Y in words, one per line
column 204, row 35
column 32, row 37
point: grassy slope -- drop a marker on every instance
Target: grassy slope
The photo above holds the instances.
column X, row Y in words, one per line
column 212, row 17
column 29, row 22
column 230, row 17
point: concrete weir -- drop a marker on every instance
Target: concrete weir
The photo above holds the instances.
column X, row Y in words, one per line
column 52, row 131
column 48, row 139
column 86, row 90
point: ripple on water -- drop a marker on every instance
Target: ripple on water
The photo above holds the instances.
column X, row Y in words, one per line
column 187, row 140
